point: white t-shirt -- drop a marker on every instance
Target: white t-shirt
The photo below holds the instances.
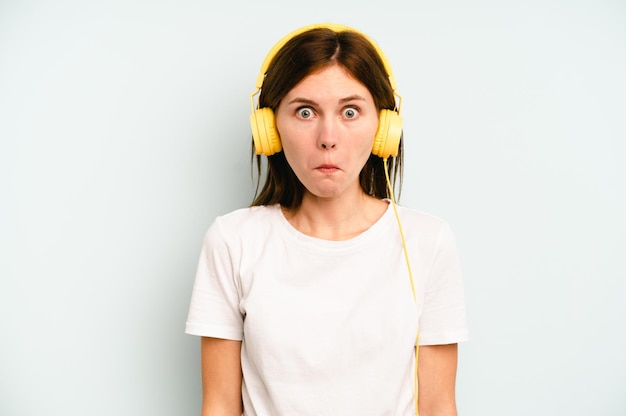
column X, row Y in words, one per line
column 327, row 327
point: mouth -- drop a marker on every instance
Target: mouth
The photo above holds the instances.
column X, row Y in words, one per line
column 327, row 168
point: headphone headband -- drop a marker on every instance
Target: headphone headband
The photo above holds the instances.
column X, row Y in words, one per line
column 264, row 133
column 337, row 28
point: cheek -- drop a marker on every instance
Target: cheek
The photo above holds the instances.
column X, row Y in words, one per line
column 370, row 133
column 293, row 148
column 295, row 139
column 285, row 131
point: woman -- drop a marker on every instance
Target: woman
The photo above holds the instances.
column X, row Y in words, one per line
column 310, row 301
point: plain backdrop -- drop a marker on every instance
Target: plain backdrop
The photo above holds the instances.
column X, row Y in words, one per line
column 124, row 132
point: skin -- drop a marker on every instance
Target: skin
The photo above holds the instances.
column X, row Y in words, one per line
column 436, row 382
column 327, row 125
column 221, row 377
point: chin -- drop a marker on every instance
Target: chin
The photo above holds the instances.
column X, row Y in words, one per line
column 324, row 193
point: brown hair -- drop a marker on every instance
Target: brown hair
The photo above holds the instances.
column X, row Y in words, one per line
column 304, row 54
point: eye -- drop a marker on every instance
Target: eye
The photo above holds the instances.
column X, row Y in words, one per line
column 304, row 112
column 350, row 113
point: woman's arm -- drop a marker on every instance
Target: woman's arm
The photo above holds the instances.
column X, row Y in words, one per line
column 436, row 374
column 221, row 377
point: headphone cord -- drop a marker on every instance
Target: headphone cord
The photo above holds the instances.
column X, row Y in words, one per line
column 408, row 265
column 395, row 210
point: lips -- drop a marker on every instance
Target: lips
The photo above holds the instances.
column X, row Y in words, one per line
column 327, row 168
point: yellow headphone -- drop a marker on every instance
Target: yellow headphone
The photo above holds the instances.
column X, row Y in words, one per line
column 264, row 132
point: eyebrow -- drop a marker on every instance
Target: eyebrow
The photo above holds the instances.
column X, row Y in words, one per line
column 301, row 100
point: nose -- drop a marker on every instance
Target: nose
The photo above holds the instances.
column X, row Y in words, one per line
column 327, row 136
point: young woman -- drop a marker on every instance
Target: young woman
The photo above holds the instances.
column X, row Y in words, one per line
column 310, row 302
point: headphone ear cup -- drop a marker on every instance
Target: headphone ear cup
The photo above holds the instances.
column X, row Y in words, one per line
column 387, row 139
column 264, row 133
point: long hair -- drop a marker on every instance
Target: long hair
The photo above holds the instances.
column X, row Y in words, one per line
column 304, row 54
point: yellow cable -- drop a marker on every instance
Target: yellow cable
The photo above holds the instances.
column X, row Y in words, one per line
column 408, row 265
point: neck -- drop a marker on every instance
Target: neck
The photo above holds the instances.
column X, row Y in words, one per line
column 336, row 219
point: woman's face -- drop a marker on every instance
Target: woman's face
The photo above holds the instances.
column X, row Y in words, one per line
column 327, row 124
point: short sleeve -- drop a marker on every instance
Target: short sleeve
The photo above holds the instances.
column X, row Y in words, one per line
column 443, row 319
column 214, row 306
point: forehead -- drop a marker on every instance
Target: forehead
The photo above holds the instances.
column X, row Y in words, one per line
column 333, row 80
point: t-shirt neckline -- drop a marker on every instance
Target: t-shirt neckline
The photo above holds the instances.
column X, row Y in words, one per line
column 335, row 246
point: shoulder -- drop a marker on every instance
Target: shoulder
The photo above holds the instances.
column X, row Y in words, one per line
column 244, row 222
column 425, row 223
column 427, row 231
column 251, row 215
